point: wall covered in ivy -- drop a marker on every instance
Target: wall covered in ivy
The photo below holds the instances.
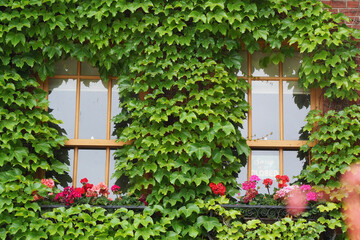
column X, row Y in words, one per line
column 185, row 131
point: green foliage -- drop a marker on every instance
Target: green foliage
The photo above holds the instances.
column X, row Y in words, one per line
column 337, row 138
column 185, row 131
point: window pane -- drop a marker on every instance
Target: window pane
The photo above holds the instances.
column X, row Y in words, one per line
column 257, row 68
column 242, row 176
column 265, row 164
column 123, row 182
column 293, row 163
column 244, row 65
column 62, row 98
column 291, row 65
column 296, row 107
column 265, row 110
column 91, row 165
column 66, row 67
column 65, row 155
column 93, row 110
column 88, row 70
column 115, row 110
column 244, row 129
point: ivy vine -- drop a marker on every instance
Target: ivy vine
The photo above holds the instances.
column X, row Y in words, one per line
column 183, row 105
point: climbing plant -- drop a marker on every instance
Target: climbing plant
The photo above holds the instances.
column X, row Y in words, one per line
column 182, row 104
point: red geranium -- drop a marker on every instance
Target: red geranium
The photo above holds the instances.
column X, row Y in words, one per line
column 84, row 181
column 218, row 189
column 282, row 180
column 80, row 190
column 87, row 186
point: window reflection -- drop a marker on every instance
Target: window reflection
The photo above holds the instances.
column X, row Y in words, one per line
column 115, row 109
column 88, row 69
column 66, row 67
column 62, row 98
column 244, row 65
column 261, row 67
column 296, row 107
column 291, row 65
column 93, row 110
column 91, row 165
column 265, row 110
column 294, row 162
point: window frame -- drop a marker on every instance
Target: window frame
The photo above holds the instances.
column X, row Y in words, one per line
column 316, row 103
column 77, row 143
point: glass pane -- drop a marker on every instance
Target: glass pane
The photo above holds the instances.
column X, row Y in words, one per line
column 244, row 65
column 115, row 110
column 88, row 70
column 291, row 65
column 244, row 129
column 265, row 164
column 93, row 110
column 265, row 110
column 296, row 107
column 122, row 182
column 259, row 70
column 294, row 162
column 66, row 67
column 62, row 99
column 91, row 165
column 65, row 155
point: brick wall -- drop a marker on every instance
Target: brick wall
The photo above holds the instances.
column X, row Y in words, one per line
column 349, row 8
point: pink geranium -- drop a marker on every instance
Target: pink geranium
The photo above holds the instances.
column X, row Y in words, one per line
column 305, row 188
column 48, row 182
column 254, row 178
column 91, row 192
column 248, row 185
column 311, row 196
column 102, row 189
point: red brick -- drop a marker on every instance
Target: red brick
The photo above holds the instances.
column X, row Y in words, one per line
column 334, row 10
column 337, row 4
column 352, row 4
column 351, row 12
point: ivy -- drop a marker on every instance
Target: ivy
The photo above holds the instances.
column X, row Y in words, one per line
column 182, row 108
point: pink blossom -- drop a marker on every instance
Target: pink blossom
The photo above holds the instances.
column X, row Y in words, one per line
column 248, row 185
column 115, row 189
column 296, row 202
column 254, row 178
column 91, row 192
column 48, row 182
column 102, row 189
column 311, row 196
column 305, row 188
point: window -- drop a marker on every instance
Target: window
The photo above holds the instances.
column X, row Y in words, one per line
column 274, row 124
column 86, row 105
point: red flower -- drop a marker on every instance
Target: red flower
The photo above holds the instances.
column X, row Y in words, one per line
column 87, row 186
column 218, row 188
column 80, row 190
column 84, row 181
column 282, row 180
column 267, row 182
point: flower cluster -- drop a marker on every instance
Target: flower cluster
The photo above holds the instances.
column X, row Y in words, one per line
column 68, row 195
column 48, row 182
column 116, row 190
column 282, row 180
column 250, row 195
column 218, row 189
column 287, row 192
column 251, row 184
